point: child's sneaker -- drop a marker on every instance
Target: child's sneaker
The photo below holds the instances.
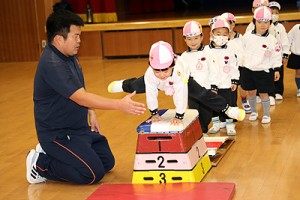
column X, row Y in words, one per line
column 230, row 128
column 278, row 97
column 32, row 174
column 266, row 119
column 115, row 86
column 246, row 106
column 222, row 124
column 214, row 129
column 272, row 101
column 235, row 113
column 216, row 125
column 253, row 116
column 298, row 93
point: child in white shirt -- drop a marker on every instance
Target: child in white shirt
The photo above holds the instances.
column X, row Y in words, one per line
column 164, row 74
column 227, row 74
column 235, row 42
column 197, row 61
column 256, row 4
column 294, row 58
column 283, row 42
column 261, row 57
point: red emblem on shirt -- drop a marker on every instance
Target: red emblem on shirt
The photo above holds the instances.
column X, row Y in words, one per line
column 226, row 59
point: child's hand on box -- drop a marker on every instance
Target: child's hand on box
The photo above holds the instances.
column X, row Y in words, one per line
column 175, row 121
column 154, row 118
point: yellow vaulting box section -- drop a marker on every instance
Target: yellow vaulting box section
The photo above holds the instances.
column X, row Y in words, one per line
column 176, row 165
column 174, row 176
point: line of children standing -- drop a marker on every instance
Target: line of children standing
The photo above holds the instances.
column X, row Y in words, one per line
column 213, row 67
column 199, row 58
column 273, row 76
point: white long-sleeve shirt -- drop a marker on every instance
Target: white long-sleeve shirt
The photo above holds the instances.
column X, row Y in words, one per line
column 279, row 32
column 236, row 45
column 225, row 61
column 175, row 85
column 294, row 39
column 260, row 52
column 198, row 63
column 282, row 38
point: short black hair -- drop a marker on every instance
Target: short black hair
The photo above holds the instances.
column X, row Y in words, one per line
column 59, row 22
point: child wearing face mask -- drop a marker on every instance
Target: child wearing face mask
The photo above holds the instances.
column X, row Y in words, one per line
column 261, row 57
column 227, row 77
column 168, row 72
column 283, row 42
column 235, row 42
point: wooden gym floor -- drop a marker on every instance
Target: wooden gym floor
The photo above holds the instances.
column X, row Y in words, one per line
column 264, row 162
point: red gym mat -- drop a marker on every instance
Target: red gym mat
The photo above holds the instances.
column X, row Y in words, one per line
column 175, row 191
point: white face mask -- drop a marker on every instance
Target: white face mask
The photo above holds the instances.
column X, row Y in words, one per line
column 220, row 40
column 275, row 17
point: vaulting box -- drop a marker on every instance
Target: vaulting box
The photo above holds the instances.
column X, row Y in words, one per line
column 173, row 176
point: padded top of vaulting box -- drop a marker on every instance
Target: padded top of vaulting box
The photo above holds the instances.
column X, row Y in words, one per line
column 164, row 126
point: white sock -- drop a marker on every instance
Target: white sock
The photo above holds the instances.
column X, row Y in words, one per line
column 115, row 86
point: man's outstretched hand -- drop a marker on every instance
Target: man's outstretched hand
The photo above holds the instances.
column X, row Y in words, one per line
column 130, row 106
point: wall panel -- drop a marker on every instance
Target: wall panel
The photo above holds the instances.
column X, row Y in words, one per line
column 18, row 31
column 130, row 43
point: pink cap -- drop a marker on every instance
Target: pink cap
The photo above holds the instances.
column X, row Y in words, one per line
column 263, row 14
column 192, row 28
column 213, row 20
column 220, row 23
column 161, row 55
column 274, row 4
column 228, row 16
column 259, row 3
